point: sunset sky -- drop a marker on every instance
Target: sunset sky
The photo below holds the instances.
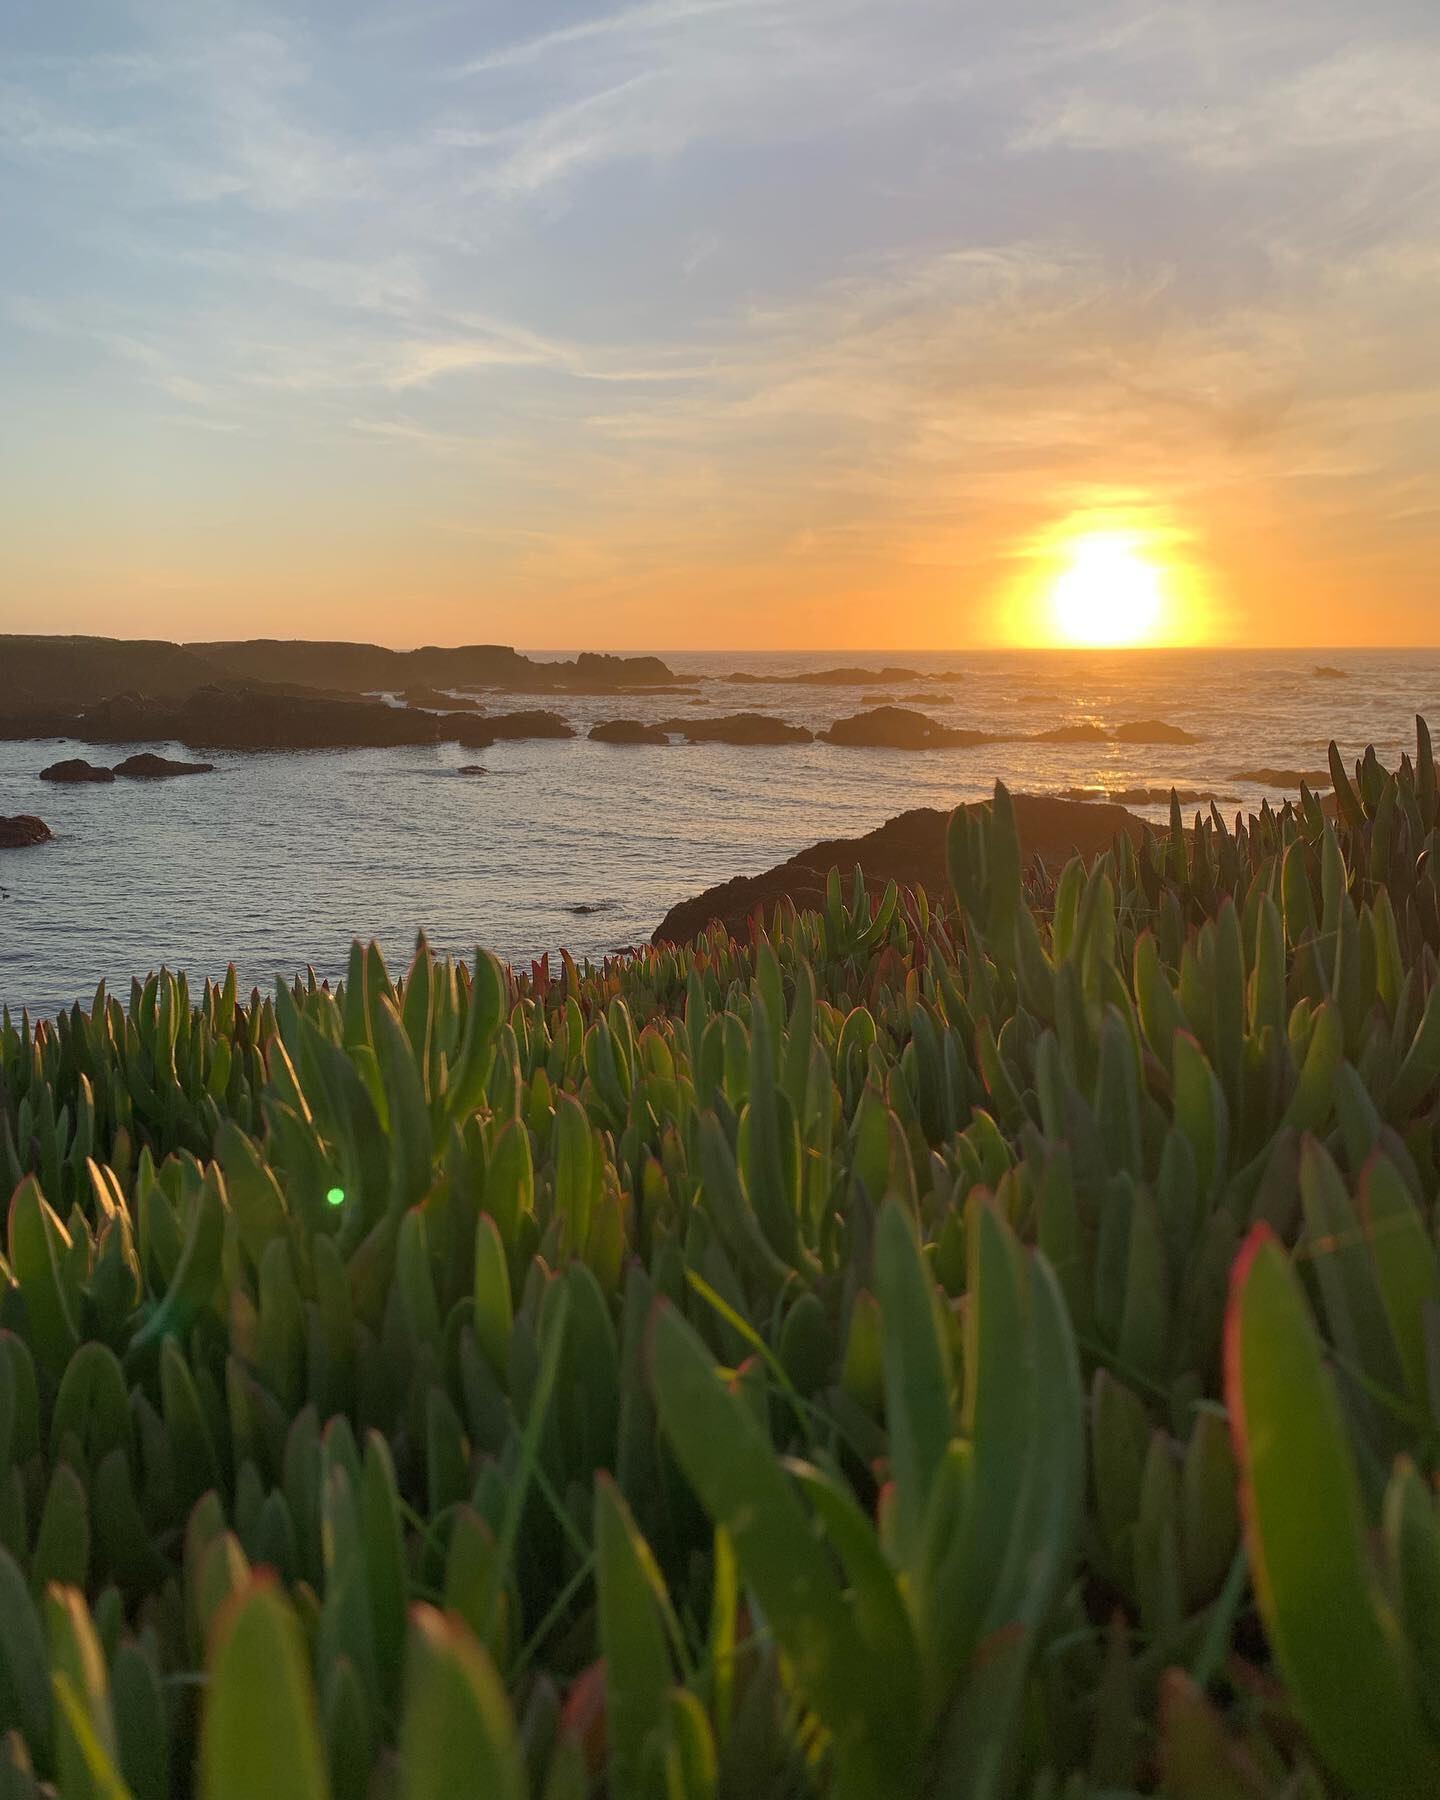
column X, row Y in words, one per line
column 717, row 323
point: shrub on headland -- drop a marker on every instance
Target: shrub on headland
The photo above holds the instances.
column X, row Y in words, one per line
column 979, row 1344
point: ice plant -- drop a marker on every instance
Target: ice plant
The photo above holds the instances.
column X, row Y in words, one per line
column 983, row 1344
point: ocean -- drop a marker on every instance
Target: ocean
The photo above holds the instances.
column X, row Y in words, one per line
column 276, row 861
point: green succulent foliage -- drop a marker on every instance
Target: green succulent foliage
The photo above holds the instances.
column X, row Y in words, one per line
column 982, row 1346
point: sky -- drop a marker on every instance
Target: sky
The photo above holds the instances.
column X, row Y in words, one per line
column 717, row 323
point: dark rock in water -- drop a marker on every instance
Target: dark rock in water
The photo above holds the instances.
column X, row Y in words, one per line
column 1284, row 778
column 896, row 728
column 909, row 849
column 76, row 770
column 243, row 716
column 1324, row 672
column 472, row 769
column 149, row 767
column 23, row 830
column 246, row 716
column 739, row 728
column 429, row 699
column 628, row 731
column 535, row 723
column 848, row 677
column 1072, row 734
column 1145, row 796
column 591, row 668
column 1152, row 731
column 469, row 732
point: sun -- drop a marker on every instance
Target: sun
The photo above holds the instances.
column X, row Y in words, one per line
column 1108, row 592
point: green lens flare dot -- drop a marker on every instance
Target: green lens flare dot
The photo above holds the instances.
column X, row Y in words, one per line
column 336, row 1196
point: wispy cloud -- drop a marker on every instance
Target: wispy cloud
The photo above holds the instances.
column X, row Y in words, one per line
column 657, row 18
column 1352, row 103
column 34, row 126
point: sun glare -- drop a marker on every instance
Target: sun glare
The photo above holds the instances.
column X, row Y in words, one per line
column 1108, row 592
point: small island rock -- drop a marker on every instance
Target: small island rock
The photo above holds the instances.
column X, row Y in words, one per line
column 20, row 832
column 739, row 728
column 536, row 722
column 429, row 699
column 146, row 766
column 1073, row 734
column 1153, row 731
column 75, row 770
column 898, row 728
column 1284, row 778
column 627, row 731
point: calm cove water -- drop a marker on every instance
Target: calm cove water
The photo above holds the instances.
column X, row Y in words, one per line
column 278, row 861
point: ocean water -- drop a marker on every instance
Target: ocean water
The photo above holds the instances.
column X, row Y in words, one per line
column 276, row 862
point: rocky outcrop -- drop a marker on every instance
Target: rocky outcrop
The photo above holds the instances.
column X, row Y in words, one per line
column 430, row 699
column 1145, row 796
column 897, row 728
column 1153, row 731
column 74, row 771
column 739, row 728
column 828, row 678
column 909, row 849
column 1072, row 734
column 627, row 731
column 37, row 673
column 1136, row 731
column 1285, row 778
column 22, row 830
column 1324, row 672
column 243, row 716
column 149, row 767
column 368, row 668
column 535, row 723
column 592, row 669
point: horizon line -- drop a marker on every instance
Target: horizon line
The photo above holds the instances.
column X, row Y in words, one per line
column 533, row 650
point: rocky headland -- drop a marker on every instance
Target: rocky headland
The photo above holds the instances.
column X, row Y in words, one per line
column 38, row 672
column 909, row 849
